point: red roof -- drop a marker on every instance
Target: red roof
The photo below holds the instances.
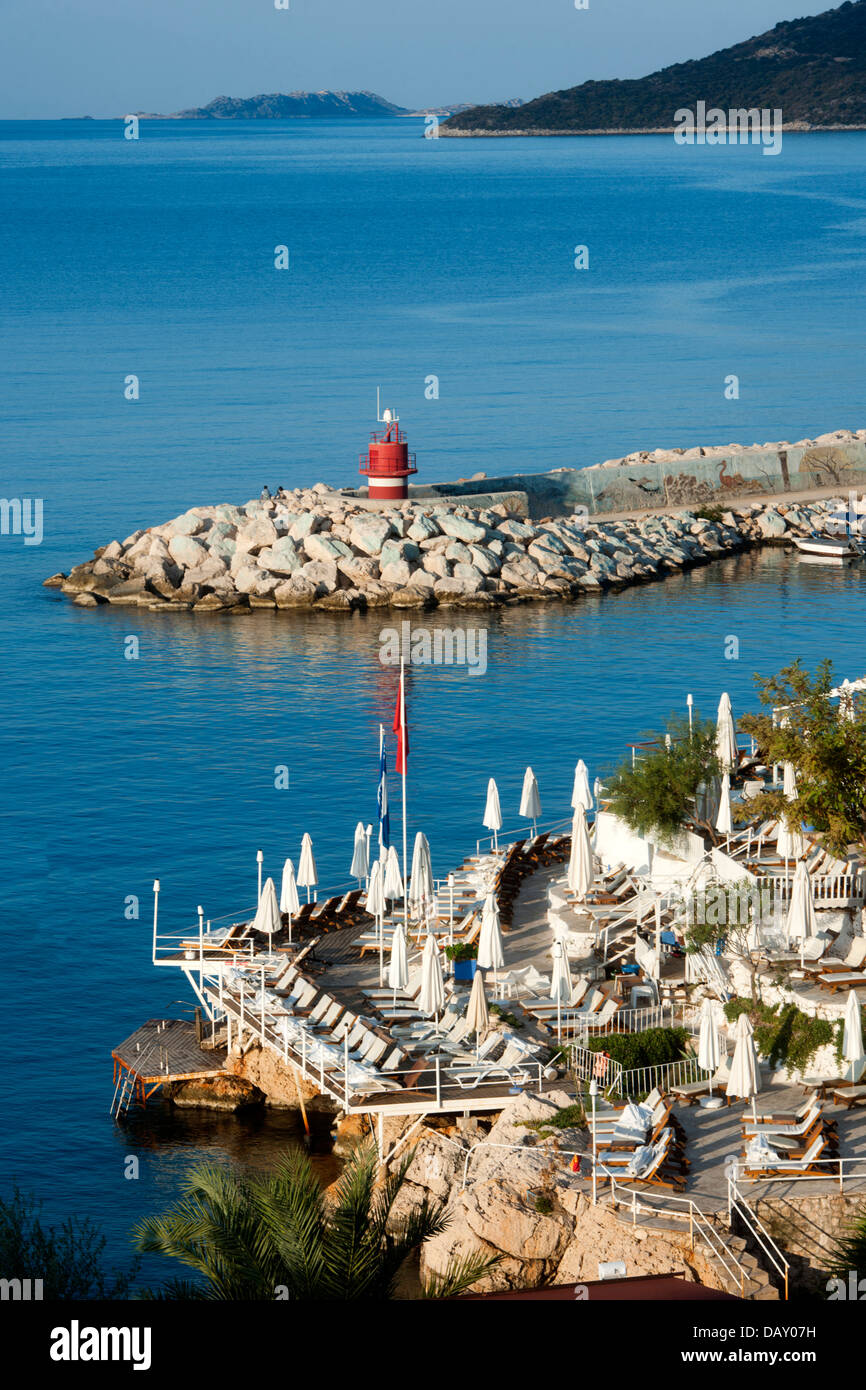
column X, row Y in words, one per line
column 650, row 1288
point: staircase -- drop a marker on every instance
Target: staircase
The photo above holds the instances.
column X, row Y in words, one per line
column 738, row 1262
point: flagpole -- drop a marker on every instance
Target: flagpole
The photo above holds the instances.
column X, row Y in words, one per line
column 403, row 759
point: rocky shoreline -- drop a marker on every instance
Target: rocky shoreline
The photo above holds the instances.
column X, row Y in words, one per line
column 321, row 549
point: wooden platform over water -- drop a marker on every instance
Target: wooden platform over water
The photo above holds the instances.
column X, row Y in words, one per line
column 166, row 1049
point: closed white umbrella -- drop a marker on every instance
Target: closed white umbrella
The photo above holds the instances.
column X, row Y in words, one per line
column 376, row 908
column 493, row 812
column 393, row 881
column 581, row 870
column 307, row 876
column 581, row 795
column 477, row 1015
column 398, row 965
column 726, row 737
column 289, row 900
column 801, row 922
column 360, row 863
column 561, row 987
column 267, row 918
column 431, row 999
column 724, row 822
column 491, row 955
column 530, row 804
column 789, row 840
column 852, row 1042
column 744, row 1082
column 421, row 878
column 709, row 1051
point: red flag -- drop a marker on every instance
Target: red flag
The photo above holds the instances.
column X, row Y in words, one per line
column 401, row 730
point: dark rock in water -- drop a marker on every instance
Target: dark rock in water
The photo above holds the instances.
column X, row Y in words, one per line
column 220, row 1093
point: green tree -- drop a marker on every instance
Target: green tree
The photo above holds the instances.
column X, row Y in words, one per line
column 827, row 749
column 68, row 1259
column 658, row 793
column 278, row 1236
column 729, row 911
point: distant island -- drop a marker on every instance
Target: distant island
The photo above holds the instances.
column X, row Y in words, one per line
column 813, row 69
column 277, row 106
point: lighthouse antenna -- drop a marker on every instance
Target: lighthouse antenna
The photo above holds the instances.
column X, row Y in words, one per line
column 389, row 417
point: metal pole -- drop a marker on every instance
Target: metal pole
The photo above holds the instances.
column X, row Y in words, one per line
column 403, row 760
column 259, row 860
column 593, row 1091
column 155, row 910
column 451, row 910
column 438, row 1083
column 690, row 702
column 263, row 1006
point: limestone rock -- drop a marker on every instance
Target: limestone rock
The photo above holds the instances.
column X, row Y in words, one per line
column 298, row 592
column 280, row 558
column 187, row 552
column 461, row 528
column 322, row 573
column 395, row 550
column 398, row 572
column 369, row 533
column 423, row 528
column 771, row 523
column 320, row 547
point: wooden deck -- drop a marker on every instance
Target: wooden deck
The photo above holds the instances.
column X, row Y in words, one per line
column 165, row 1049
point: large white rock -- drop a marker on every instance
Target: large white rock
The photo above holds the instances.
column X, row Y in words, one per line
column 320, row 547
column 369, row 532
column 256, row 535
column 461, row 528
column 280, row 558
column 188, row 553
column 398, row 572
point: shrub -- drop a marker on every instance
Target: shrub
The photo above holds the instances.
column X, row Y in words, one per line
column 654, row 1047
column 657, row 794
column 783, row 1033
column 510, row 1019
column 463, row 950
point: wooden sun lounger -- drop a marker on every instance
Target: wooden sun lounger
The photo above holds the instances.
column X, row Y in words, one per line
column 841, row 979
column 848, row 1096
column 692, row 1091
column 790, row 1167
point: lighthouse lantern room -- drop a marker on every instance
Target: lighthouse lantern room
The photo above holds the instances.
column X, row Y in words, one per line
column 387, row 462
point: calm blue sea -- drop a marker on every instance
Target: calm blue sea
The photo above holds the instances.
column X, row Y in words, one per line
column 409, row 259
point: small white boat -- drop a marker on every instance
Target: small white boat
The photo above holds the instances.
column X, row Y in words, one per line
column 828, row 547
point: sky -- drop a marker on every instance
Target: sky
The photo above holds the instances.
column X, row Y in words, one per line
column 107, row 57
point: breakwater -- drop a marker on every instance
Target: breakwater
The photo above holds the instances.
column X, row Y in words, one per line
column 317, row 548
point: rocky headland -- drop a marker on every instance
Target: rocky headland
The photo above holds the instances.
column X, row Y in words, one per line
column 325, row 549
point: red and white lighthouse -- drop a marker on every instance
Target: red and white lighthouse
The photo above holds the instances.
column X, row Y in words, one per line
column 387, row 462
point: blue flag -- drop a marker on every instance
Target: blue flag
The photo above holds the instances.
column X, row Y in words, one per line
column 382, row 800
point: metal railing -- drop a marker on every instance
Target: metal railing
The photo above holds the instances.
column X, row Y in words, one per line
column 682, row 1208
column 521, row 832
column 636, row 1081
column 738, row 1206
column 344, row 1075
column 623, row 1021
column 828, row 890
column 844, row 1171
